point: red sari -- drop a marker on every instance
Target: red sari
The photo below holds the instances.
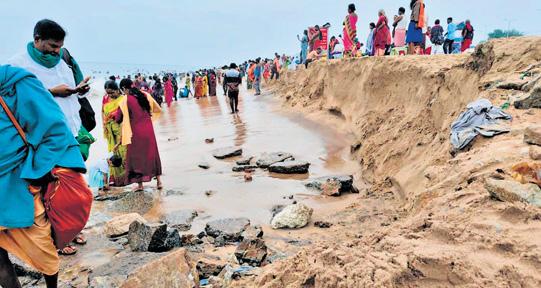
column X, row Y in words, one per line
column 168, row 92
column 198, row 87
column 350, row 32
column 212, row 85
column 142, row 158
column 382, row 36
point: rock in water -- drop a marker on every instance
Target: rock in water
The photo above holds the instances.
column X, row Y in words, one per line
column 182, row 220
column 244, row 168
column 245, row 161
column 532, row 135
column 227, row 152
column 144, row 237
column 268, row 159
column 172, row 270
column 230, row 229
column 203, row 165
column 120, row 225
column 333, row 185
column 292, row 216
column 511, row 191
column 290, row 167
column 251, row 251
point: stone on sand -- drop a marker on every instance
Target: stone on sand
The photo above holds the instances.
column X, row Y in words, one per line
column 245, row 161
column 144, row 237
column 532, row 135
column 535, row 152
column 512, row 191
column 230, row 229
column 181, row 219
column 292, row 216
column 251, row 251
column 268, row 159
column 333, row 185
column 120, row 225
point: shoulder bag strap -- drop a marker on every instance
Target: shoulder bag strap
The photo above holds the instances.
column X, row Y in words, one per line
column 13, row 120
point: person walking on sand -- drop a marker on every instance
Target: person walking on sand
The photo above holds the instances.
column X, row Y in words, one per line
column 137, row 110
column 415, row 36
column 25, row 230
column 350, row 30
column 45, row 57
column 233, row 80
column 399, row 28
column 382, row 34
column 467, row 35
column 450, row 36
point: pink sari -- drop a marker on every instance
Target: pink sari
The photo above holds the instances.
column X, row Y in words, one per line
column 168, row 92
column 350, row 31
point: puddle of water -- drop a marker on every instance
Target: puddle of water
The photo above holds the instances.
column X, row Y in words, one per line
column 262, row 126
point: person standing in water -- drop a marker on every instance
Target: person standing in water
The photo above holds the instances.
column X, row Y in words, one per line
column 257, row 76
column 142, row 157
column 233, row 80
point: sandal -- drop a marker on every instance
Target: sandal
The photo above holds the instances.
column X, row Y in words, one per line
column 67, row 251
column 79, row 239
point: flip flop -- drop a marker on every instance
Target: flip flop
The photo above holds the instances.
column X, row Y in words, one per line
column 80, row 240
column 67, row 251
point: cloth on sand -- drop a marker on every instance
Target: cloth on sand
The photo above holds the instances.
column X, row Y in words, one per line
column 479, row 118
column 33, row 245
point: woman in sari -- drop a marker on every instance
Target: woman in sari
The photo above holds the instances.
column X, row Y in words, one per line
column 350, row 30
column 212, row 84
column 382, row 35
column 198, row 87
column 205, row 85
column 137, row 110
column 112, row 132
column 157, row 90
column 168, row 85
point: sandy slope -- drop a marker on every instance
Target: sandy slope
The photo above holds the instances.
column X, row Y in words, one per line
column 427, row 221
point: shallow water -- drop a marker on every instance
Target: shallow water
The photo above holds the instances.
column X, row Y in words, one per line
column 261, row 126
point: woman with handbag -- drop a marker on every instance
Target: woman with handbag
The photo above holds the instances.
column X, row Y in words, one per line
column 40, row 157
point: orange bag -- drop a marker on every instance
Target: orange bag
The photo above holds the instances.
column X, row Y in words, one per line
column 67, row 203
column 422, row 19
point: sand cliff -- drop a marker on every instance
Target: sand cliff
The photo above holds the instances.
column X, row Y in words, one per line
column 426, row 219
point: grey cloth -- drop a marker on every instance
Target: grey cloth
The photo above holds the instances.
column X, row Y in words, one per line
column 479, row 118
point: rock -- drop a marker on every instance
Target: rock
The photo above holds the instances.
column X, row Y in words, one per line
column 207, row 268
column 227, row 152
column 231, row 228
column 252, row 232
column 535, row 153
column 209, row 140
column 174, row 192
column 292, row 216
column 244, row 168
column 138, row 201
column 120, row 225
column 203, row 165
column 209, row 193
column 515, row 84
column 141, row 270
column 245, row 161
column 531, row 101
column 182, row 219
column 322, row 224
column 268, row 159
column 190, row 240
column 290, row 167
column 532, row 135
column 111, row 196
column 251, row 251
column 173, row 239
column 512, row 191
column 276, row 209
column 333, row 185
column 144, row 237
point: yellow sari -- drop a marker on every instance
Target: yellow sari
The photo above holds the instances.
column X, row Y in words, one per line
column 112, row 130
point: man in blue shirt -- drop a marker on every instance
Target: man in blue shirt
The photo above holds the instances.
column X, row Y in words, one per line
column 257, row 76
column 450, row 39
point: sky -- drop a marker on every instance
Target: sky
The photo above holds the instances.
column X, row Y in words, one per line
column 204, row 33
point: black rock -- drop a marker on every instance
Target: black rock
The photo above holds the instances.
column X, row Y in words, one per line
column 345, row 183
column 252, row 252
column 190, row 240
column 147, row 237
column 290, row 167
column 245, row 161
column 231, row 228
column 227, row 152
column 532, row 101
column 322, row 224
column 244, row 168
column 267, row 159
column 173, row 240
column 203, row 165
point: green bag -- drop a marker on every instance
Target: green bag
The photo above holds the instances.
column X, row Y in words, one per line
column 85, row 139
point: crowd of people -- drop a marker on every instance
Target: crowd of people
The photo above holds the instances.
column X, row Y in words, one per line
column 397, row 36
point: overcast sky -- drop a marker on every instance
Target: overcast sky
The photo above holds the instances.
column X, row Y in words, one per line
column 202, row 33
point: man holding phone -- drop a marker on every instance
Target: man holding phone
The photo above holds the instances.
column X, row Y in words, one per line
column 43, row 58
column 60, row 74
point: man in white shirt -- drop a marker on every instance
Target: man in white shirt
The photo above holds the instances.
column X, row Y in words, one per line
column 43, row 58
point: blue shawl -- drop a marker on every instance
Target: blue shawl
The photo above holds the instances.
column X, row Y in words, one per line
column 50, row 140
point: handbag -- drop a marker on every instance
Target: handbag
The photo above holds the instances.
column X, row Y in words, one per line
column 67, row 200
